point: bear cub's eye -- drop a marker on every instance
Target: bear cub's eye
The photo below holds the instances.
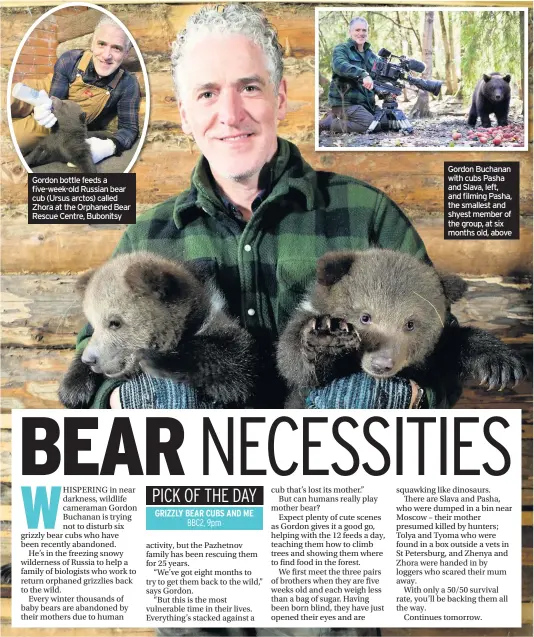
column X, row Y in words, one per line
column 409, row 326
column 114, row 324
column 365, row 319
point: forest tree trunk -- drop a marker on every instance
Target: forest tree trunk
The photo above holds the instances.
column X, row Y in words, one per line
column 421, row 107
column 448, row 61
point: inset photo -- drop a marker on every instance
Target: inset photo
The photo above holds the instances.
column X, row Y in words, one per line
column 78, row 91
column 421, row 79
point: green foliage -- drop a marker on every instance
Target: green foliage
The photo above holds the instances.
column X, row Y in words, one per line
column 490, row 41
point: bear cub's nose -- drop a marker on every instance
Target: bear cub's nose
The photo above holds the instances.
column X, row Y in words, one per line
column 89, row 356
column 381, row 364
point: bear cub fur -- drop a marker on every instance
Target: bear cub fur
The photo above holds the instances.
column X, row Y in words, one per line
column 66, row 142
column 384, row 312
column 491, row 95
column 154, row 315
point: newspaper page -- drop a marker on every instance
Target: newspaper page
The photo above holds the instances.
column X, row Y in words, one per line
column 241, row 245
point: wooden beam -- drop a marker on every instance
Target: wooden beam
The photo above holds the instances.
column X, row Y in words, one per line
column 64, row 248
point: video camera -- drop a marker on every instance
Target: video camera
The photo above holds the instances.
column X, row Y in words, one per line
column 388, row 82
column 389, row 77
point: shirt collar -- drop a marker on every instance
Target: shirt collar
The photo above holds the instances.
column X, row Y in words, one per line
column 286, row 173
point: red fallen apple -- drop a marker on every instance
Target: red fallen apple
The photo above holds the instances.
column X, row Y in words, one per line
column 456, row 135
column 497, row 141
column 482, row 139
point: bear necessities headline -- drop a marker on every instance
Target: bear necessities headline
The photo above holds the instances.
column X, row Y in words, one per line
column 233, row 443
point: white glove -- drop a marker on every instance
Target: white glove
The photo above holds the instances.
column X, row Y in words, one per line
column 43, row 114
column 100, row 148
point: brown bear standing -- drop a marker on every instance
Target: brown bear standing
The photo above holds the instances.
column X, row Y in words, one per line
column 492, row 95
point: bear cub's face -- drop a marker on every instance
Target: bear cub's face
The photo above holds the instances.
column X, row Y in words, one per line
column 395, row 303
column 69, row 114
column 134, row 303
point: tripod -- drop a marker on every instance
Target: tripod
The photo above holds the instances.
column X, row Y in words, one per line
column 391, row 117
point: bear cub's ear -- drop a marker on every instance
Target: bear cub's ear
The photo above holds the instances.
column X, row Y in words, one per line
column 83, row 281
column 151, row 279
column 454, row 287
column 507, row 78
column 487, row 78
column 333, row 266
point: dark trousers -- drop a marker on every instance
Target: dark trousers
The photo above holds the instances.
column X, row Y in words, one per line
column 350, row 119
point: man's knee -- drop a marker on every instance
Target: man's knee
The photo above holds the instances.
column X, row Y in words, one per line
column 353, row 119
column 28, row 133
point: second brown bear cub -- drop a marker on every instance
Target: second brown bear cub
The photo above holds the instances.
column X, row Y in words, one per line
column 154, row 315
column 385, row 313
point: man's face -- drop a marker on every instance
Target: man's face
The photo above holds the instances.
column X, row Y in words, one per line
column 358, row 33
column 108, row 48
column 229, row 105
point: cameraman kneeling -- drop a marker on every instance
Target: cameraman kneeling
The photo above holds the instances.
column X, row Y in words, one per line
column 351, row 96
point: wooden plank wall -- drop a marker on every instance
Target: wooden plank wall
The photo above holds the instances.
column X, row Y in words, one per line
column 40, row 313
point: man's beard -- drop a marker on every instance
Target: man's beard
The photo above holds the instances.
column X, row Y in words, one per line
column 242, row 176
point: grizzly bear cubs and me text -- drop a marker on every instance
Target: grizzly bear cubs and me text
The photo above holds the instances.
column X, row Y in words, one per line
column 153, row 315
column 385, row 312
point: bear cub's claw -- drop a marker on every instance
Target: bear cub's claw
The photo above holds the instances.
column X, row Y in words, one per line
column 329, row 335
column 499, row 371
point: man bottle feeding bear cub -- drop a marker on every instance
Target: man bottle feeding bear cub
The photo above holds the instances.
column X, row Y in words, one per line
column 257, row 218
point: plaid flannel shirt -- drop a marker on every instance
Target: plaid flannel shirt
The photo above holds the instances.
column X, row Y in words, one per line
column 124, row 99
column 265, row 266
column 349, row 67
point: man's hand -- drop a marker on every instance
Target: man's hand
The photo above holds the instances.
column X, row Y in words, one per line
column 43, row 114
column 100, row 148
column 115, row 399
column 368, row 82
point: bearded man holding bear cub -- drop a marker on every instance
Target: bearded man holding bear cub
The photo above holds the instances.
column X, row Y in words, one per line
column 257, row 218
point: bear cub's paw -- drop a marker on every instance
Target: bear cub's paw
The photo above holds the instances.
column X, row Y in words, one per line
column 79, row 385
column 329, row 335
column 496, row 369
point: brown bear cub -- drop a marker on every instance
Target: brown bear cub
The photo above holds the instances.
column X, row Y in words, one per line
column 66, row 142
column 385, row 313
column 154, row 315
column 491, row 95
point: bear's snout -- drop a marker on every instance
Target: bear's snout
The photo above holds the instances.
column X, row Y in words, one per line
column 381, row 364
column 90, row 356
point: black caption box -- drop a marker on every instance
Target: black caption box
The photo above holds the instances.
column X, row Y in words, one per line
column 216, row 495
column 481, row 200
column 81, row 198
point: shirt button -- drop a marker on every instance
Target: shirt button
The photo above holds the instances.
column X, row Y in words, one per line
column 251, row 312
column 248, row 248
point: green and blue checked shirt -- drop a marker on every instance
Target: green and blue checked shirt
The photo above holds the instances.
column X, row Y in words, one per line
column 265, row 266
column 349, row 67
